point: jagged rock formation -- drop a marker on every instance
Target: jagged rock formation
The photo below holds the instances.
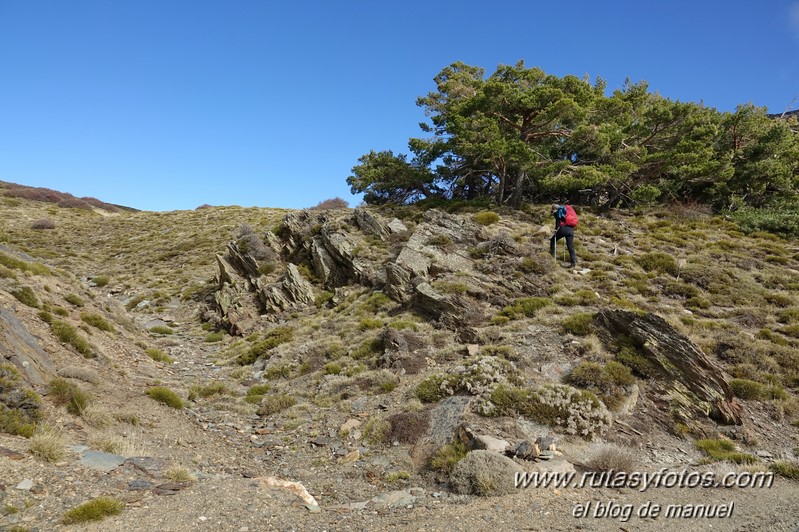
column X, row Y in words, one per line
column 362, row 249
column 18, row 347
column 684, row 381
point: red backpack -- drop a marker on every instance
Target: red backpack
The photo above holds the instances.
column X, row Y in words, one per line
column 571, row 217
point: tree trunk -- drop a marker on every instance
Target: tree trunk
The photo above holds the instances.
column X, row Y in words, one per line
column 518, row 190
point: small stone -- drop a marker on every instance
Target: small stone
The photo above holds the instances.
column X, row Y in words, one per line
column 472, row 350
column 25, row 485
column 350, row 457
column 202, row 519
column 12, row 455
column 349, row 425
column 321, row 441
column 135, row 485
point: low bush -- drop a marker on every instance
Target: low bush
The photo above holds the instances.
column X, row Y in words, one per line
column 408, row 427
column 525, row 307
column 67, row 334
column 274, row 404
column 485, row 474
column 101, row 280
column 66, row 393
column 486, row 218
column 44, row 223
column 786, row 469
column 161, row 329
column 26, row 296
column 724, row 451
column 447, row 457
column 158, row 355
column 609, row 457
column 47, row 445
column 659, row 262
column 96, row 321
column 75, row 300
column 94, row 510
column 273, row 338
column 578, row 324
column 166, row 396
column 20, row 407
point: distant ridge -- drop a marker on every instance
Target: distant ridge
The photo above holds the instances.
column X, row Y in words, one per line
column 62, row 199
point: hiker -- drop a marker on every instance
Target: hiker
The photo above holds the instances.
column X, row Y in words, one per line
column 565, row 222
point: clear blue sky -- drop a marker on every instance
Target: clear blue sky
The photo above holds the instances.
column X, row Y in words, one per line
column 170, row 104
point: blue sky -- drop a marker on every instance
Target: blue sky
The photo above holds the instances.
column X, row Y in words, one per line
column 171, row 104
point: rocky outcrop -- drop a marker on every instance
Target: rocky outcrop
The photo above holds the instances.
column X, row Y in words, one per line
column 21, row 349
column 685, row 382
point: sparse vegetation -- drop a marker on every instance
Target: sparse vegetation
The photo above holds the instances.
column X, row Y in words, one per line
column 166, row 396
column 447, row 457
column 94, row 510
column 47, row 445
column 26, row 296
column 158, row 355
column 66, row 393
column 486, row 218
column 67, row 334
column 273, row 404
column 96, row 321
column 724, row 451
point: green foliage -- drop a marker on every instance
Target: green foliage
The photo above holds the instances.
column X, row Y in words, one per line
column 724, row 451
column 166, row 396
column 430, row 390
column 20, row 407
column 779, row 217
column 323, row 298
column 208, row 390
column 97, row 321
column 25, row 295
column 66, row 393
column 578, row 324
column 276, row 403
column 786, row 469
column 16, row 264
column 273, row 338
column 369, row 323
column 756, row 391
column 447, row 457
column 486, row 218
column 158, row 355
column 161, row 329
column 69, row 335
column 101, row 280
column 256, row 393
column 606, row 381
column 214, row 337
column 659, row 262
column 75, row 300
column 521, row 134
column 376, row 431
column 525, row 307
column 94, row 510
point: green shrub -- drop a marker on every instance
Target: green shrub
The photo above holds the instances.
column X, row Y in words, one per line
column 16, row 264
column 606, row 381
column 158, row 355
column 166, row 396
column 45, row 316
column 578, row 324
column 101, row 280
column 786, row 469
column 323, row 298
column 256, row 392
column 66, row 393
column 25, row 295
column 724, row 451
column 430, row 390
column 369, row 323
column 747, row 389
column 659, row 262
column 61, row 311
column 209, row 390
column 447, row 457
column 161, row 329
column 778, row 217
column 67, row 334
column 276, row 403
column 20, row 407
column 214, row 337
column 274, row 337
column 266, row 268
column 75, row 300
column 486, row 218
column 525, row 307
column 94, row 510
column 332, row 368
column 97, row 321
column 376, row 431
column 368, row 349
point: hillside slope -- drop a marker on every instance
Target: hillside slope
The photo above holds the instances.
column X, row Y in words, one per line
column 343, row 349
